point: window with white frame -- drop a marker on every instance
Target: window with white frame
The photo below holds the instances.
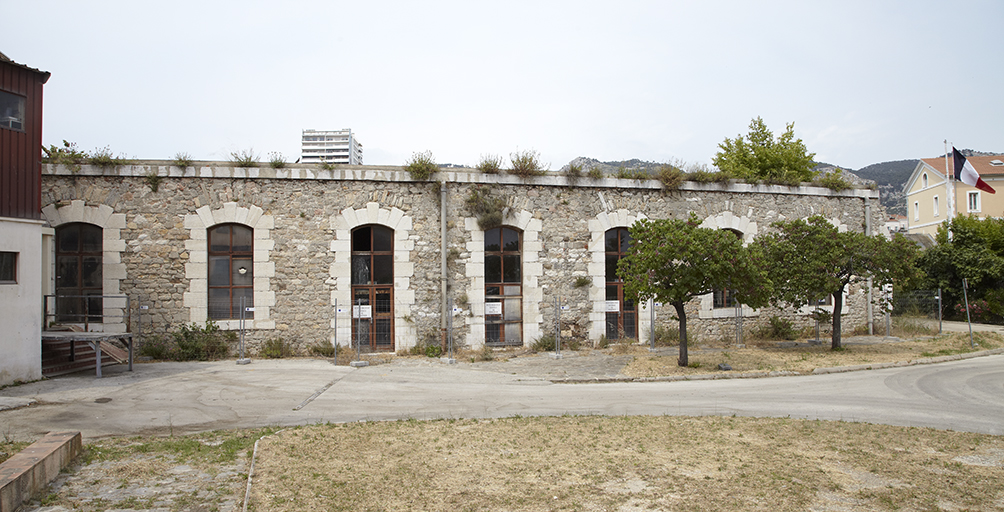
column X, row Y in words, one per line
column 973, row 201
column 916, row 210
column 8, row 268
column 935, row 206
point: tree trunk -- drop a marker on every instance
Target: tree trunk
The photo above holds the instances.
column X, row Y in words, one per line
column 838, row 306
column 682, row 315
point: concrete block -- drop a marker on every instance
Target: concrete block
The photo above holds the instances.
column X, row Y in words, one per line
column 29, row 472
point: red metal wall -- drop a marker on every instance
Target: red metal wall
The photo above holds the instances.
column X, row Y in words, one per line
column 21, row 152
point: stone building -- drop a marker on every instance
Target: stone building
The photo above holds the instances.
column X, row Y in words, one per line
column 368, row 253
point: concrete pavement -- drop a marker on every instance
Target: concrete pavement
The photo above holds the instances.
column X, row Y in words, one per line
column 176, row 398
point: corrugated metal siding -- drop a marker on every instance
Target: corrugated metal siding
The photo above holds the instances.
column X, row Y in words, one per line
column 20, row 152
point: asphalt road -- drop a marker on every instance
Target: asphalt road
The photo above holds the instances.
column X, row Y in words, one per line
column 165, row 398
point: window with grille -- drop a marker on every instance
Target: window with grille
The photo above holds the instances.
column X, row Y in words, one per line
column 231, row 271
column 503, row 287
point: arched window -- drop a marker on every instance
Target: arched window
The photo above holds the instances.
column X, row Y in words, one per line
column 231, row 271
column 78, row 272
column 373, row 287
column 923, row 180
column 503, row 287
column 622, row 315
column 726, row 298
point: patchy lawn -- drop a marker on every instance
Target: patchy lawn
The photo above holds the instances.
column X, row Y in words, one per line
column 626, row 463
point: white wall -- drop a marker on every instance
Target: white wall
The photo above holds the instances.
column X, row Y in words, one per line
column 21, row 303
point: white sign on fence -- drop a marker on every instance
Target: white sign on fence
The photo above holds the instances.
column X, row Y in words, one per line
column 613, row 306
column 362, row 311
column 493, row 308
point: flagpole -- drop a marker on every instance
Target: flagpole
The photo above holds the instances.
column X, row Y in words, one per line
column 949, row 186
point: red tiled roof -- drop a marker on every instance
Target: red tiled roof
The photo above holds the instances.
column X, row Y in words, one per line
column 980, row 163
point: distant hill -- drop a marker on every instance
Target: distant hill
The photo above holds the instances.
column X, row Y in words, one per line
column 890, row 178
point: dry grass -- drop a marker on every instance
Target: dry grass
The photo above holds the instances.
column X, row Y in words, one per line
column 626, row 463
column 771, row 356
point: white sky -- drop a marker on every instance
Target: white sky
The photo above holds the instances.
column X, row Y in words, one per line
column 863, row 81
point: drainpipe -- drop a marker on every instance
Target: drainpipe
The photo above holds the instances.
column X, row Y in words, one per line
column 868, row 232
column 442, row 260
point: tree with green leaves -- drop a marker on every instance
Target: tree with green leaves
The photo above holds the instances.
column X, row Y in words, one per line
column 811, row 259
column 974, row 252
column 759, row 157
column 674, row 261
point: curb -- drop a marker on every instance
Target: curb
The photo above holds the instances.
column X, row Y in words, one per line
column 762, row 375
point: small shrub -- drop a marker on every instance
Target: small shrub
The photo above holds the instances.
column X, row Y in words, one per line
column 421, row 166
column 670, row 176
column 487, row 207
column 276, row 160
column 433, row 351
column 834, row 181
column 463, row 301
column 68, row 156
column 276, row 348
column 323, row 349
column 156, row 347
column 544, row 343
column 582, row 282
column 103, row 157
column 244, row 158
column 631, row 174
column 202, row 343
column 574, row 171
column 490, row 164
column 526, row 164
column 705, row 176
column 595, row 173
column 153, row 181
column 694, row 364
column 667, row 336
column 603, row 342
column 327, row 166
column 777, row 329
column 182, row 160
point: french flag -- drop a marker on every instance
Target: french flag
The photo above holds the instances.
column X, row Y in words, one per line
column 965, row 173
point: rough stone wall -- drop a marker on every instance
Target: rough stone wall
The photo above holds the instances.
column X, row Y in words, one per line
column 301, row 248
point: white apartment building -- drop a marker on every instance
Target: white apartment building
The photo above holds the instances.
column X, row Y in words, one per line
column 335, row 147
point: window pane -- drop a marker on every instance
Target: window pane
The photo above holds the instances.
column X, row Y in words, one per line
column 629, row 325
column 512, row 309
column 248, row 295
column 625, row 240
column 361, row 239
column 91, row 238
column 383, row 269
column 610, row 244
column 219, row 239
column 612, row 268
column 219, row 271
column 511, row 269
column 492, row 240
column 91, row 271
column 361, row 269
column 628, row 305
column 68, row 238
column 382, row 326
column 243, row 237
column 492, row 290
column 510, row 240
column 612, row 292
column 361, row 298
column 382, row 302
column 11, row 111
column 219, row 303
column 94, row 306
column 612, row 326
column 239, row 279
column 492, row 333
column 383, row 239
column 513, row 334
column 67, row 271
column 512, row 290
column 493, row 269
column 8, row 266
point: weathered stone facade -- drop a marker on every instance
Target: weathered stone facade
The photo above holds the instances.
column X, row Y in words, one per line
column 303, row 218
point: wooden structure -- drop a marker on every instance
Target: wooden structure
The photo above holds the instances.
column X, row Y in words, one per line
column 21, row 140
